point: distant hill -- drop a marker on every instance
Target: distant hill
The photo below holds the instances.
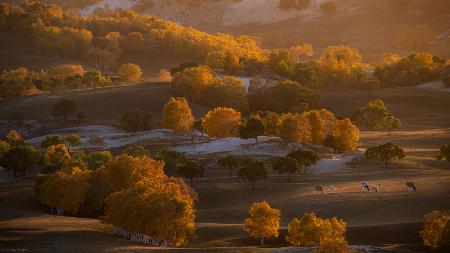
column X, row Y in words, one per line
column 369, row 25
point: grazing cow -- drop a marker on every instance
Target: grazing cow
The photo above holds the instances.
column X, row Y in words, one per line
column 332, row 188
column 365, row 186
column 319, row 188
column 411, row 185
column 374, row 188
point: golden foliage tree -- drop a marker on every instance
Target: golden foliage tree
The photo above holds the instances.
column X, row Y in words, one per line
column 57, row 156
column 191, row 82
column 177, row 115
column 295, row 128
column 312, row 231
column 346, row 135
column 66, row 190
column 222, row 122
column 164, row 211
column 436, row 231
column 263, row 222
column 322, row 124
column 130, row 73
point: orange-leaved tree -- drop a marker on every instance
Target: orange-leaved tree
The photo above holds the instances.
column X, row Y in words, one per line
column 177, row 115
column 222, row 122
column 263, row 222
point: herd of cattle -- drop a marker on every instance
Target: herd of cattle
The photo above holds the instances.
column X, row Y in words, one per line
column 364, row 186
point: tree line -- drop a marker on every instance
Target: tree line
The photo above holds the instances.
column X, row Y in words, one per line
column 17, row 82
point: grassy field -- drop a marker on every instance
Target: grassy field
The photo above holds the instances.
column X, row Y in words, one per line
column 391, row 218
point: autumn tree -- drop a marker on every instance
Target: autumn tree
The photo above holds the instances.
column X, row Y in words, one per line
column 57, row 157
column 162, row 210
column 64, row 108
column 66, row 190
column 346, row 135
column 252, row 128
column 130, row 73
column 222, row 122
column 230, row 162
column 191, row 82
column 263, row 222
column 136, row 151
column 322, row 124
column 286, row 165
column 304, row 157
column 135, row 120
column 191, row 169
column 436, row 231
column 252, row 171
column 225, row 92
column 177, row 115
column 294, row 128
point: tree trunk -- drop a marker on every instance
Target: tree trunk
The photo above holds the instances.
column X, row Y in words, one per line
column 253, row 185
column 289, row 177
column 386, row 163
column 231, row 172
column 192, row 182
column 256, row 139
column 262, row 241
column 306, row 168
column 389, row 131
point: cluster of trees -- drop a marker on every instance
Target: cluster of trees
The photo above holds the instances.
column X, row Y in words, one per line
column 394, row 70
column 103, row 36
column 375, row 115
column 125, row 189
column 384, row 153
column 200, row 85
column 308, row 231
column 315, row 127
column 69, row 76
column 436, row 231
column 337, row 67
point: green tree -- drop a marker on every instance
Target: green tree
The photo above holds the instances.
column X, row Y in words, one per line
column 230, row 162
column 97, row 159
column 51, row 140
column 19, row 159
column 72, row 140
column 172, row 160
column 286, row 165
column 252, row 128
column 385, row 153
column 304, row 157
column 64, row 108
column 263, row 221
column 136, row 151
column 191, row 169
column 391, row 123
column 253, row 171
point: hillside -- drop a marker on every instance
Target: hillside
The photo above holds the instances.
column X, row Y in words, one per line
column 370, row 26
